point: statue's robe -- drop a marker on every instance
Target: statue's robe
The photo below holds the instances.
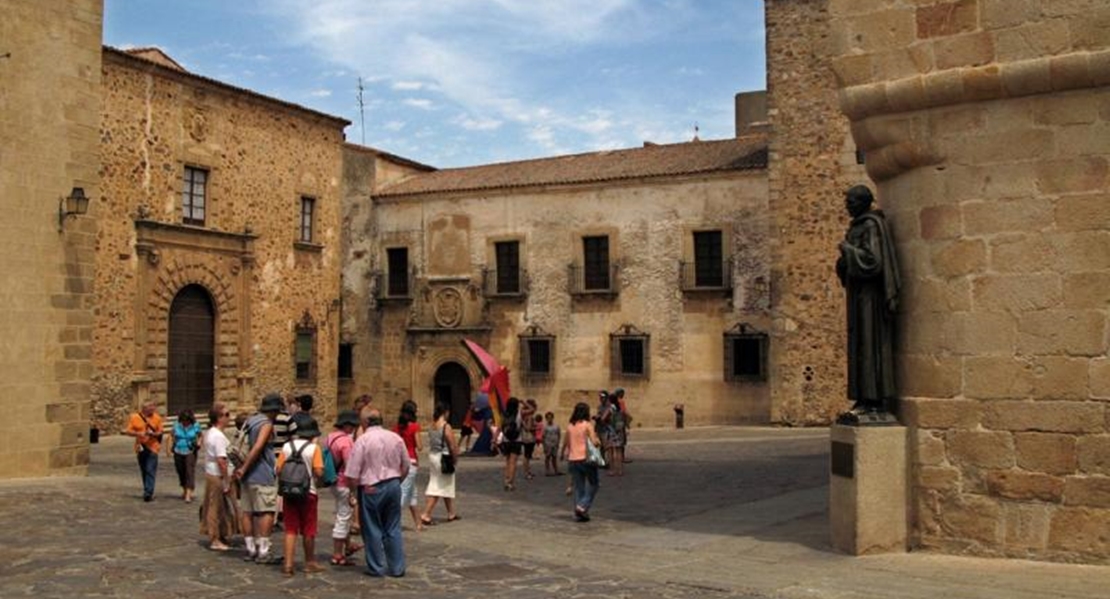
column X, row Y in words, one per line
column 869, row 272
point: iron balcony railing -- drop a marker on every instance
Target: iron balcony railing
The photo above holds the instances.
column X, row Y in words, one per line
column 590, row 281
column 700, row 276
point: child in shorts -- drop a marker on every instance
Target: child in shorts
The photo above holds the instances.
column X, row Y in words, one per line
column 300, row 514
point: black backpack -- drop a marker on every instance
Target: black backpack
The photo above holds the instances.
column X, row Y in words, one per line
column 295, row 479
column 512, row 429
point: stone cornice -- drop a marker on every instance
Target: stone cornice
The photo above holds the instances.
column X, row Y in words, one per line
column 1077, row 70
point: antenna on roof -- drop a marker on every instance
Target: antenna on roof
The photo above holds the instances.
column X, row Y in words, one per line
column 361, row 111
column 696, row 131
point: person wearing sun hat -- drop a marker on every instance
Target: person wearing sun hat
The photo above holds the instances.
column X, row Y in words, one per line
column 258, row 501
column 340, row 442
column 300, row 514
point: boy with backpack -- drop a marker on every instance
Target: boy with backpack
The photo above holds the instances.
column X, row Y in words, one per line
column 299, row 466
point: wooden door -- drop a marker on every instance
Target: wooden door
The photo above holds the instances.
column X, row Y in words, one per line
column 452, row 388
column 192, row 351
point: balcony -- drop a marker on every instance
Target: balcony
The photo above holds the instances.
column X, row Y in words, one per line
column 585, row 282
column 393, row 288
column 695, row 277
column 505, row 284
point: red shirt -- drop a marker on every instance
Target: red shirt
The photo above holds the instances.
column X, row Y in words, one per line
column 409, row 435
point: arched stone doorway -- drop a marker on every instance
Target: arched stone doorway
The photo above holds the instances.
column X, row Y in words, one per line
column 192, row 351
column 452, row 388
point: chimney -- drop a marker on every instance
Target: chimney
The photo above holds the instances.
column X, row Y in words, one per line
column 751, row 112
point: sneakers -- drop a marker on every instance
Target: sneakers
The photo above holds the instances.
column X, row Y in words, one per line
column 268, row 559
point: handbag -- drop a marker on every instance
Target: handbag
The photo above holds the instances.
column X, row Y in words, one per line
column 446, row 458
column 593, row 454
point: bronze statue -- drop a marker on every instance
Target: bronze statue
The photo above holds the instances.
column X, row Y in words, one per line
column 868, row 269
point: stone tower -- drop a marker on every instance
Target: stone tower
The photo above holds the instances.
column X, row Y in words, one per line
column 812, row 162
column 987, row 125
column 50, row 77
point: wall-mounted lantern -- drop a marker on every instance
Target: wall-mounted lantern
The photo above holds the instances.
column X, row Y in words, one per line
column 75, row 204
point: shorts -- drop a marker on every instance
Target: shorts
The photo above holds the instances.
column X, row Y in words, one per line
column 258, row 499
column 408, row 487
column 529, row 450
column 510, row 447
column 300, row 516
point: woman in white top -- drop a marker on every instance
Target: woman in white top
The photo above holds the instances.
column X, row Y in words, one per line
column 218, row 519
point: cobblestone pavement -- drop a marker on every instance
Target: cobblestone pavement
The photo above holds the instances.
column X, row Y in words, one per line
column 711, row 512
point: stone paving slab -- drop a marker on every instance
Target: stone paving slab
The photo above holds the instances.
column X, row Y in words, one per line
column 716, row 512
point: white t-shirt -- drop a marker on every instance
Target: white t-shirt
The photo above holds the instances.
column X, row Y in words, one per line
column 215, row 447
column 308, row 454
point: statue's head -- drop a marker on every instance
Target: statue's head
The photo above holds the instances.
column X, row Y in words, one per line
column 858, row 200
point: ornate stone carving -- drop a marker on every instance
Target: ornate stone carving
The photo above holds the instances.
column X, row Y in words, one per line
column 448, row 307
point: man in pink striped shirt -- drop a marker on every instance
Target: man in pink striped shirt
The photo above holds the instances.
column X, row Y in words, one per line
column 377, row 465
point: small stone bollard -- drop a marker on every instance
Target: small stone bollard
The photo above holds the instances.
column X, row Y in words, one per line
column 679, row 415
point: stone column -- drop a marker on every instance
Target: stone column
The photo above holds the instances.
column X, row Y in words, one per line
column 987, row 125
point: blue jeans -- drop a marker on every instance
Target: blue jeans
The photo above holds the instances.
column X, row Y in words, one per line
column 148, row 467
column 585, row 484
column 380, row 514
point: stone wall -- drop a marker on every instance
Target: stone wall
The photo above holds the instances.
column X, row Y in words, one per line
column 988, row 124
column 48, row 145
column 648, row 222
column 262, row 156
column 812, row 163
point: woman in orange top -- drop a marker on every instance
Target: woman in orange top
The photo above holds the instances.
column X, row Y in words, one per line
column 146, row 426
column 583, row 474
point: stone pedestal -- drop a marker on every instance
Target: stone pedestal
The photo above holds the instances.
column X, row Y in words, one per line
column 867, row 489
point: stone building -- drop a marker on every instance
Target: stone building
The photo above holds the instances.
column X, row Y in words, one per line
column 48, row 150
column 987, row 125
column 217, row 257
column 763, row 343
column 644, row 269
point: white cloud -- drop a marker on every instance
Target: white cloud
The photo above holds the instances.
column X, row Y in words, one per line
column 320, row 93
column 477, row 124
column 393, row 125
column 475, row 53
column 421, row 103
column 407, row 86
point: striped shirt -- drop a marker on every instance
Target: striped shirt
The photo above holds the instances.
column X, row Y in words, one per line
column 284, row 427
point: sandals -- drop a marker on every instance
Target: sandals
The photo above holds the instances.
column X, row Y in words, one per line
column 452, row 518
column 287, row 572
column 353, row 549
column 341, row 560
column 427, row 521
column 314, row 568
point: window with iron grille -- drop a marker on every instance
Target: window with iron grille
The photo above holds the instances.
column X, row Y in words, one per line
column 346, row 361
column 745, row 354
column 708, row 259
column 507, row 254
column 630, row 352
column 308, row 207
column 537, row 351
column 397, row 284
column 595, row 253
column 304, row 350
column 194, row 196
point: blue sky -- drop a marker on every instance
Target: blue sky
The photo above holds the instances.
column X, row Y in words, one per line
column 462, row 82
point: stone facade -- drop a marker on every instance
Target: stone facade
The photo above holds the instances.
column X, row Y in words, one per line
column 987, row 124
column 812, row 163
column 48, row 146
column 262, row 281
column 400, row 344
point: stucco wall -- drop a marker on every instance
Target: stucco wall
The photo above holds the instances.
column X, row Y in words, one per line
column 647, row 223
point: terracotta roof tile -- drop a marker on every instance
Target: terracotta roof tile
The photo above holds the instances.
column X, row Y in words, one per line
column 689, row 158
